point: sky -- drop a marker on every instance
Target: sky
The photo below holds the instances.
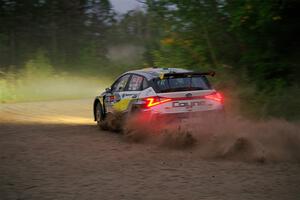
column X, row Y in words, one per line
column 122, row 6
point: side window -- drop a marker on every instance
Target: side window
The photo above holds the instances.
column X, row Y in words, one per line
column 120, row 84
column 145, row 84
column 135, row 83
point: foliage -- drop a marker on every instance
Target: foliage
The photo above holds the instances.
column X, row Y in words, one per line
column 38, row 67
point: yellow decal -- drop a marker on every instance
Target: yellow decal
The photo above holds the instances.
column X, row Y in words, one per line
column 122, row 105
column 161, row 76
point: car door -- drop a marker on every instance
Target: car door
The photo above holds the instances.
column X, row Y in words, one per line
column 115, row 95
column 131, row 92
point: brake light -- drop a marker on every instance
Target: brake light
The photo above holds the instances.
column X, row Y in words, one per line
column 154, row 101
column 216, row 97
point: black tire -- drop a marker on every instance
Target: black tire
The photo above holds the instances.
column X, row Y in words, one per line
column 99, row 115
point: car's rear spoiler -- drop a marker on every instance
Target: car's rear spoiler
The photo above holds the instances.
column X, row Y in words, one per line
column 186, row 74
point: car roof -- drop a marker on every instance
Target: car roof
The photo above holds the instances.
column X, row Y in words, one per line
column 150, row 73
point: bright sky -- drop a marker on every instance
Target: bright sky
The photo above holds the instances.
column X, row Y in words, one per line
column 122, row 6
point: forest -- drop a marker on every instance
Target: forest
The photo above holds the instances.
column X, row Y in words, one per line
column 57, row 49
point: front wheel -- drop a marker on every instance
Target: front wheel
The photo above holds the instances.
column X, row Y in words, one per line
column 99, row 115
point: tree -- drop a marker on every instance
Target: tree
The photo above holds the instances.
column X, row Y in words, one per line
column 61, row 28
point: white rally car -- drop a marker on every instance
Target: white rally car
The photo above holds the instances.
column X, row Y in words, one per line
column 159, row 92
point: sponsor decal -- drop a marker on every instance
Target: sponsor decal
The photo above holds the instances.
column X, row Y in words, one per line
column 177, row 104
column 128, row 95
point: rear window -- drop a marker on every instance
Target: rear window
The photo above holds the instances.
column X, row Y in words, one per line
column 182, row 84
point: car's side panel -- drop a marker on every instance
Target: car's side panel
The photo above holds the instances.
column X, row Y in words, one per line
column 147, row 93
column 107, row 102
column 132, row 92
column 125, row 98
column 114, row 96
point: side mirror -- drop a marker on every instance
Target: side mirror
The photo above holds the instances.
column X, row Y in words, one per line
column 108, row 90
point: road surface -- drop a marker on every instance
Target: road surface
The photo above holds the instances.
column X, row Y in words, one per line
column 53, row 150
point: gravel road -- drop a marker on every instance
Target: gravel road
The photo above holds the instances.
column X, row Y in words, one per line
column 53, row 150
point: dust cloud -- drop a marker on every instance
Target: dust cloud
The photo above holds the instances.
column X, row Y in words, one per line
column 219, row 137
column 19, row 88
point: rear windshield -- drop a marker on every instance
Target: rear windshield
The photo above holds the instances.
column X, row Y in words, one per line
column 182, row 84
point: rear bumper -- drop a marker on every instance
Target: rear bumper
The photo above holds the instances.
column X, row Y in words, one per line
column 175, row 117
column 154, row 115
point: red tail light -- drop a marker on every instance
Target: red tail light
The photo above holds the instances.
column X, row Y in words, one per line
column 215, row 96
column 154, row 101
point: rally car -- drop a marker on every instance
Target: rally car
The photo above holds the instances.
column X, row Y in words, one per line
column 159, row 92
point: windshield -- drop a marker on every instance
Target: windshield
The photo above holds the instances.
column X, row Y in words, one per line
column 182, row 84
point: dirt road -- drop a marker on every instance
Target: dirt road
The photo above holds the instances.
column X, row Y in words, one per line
column 53, row 150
